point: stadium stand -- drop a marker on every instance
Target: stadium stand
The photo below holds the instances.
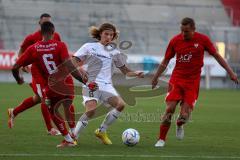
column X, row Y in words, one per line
column 148, row 24
column 145, row 22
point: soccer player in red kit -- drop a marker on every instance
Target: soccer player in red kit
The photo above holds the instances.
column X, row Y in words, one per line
column 36, row 79
column 47, row 55
column 189, row 47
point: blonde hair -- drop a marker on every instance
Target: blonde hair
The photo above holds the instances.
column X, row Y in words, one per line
column 96, row 31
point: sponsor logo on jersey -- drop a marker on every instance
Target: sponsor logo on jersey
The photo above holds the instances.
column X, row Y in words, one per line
column 185, row 58
column 93, row 52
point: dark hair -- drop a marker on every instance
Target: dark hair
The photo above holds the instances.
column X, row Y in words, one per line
column 188, row 21
column 45, row 15
column 47, row 28
column 96, row 31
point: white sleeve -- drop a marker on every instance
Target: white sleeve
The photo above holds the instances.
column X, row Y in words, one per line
column 82, row 53
column 120, row 59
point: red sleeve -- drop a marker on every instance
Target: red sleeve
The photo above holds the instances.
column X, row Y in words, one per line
column 64, row 52
column 28, row 57
column 57, row 36
column 170, row 53
column 209, row 46
column 28, row 41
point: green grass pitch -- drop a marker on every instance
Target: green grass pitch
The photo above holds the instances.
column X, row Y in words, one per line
column 213, row 132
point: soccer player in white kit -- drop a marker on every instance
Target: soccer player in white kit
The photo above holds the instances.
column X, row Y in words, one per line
column 99, row 58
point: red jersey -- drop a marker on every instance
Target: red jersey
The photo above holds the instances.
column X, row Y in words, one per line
column 32, row 39
column 189, row 55
column 35, row 37
column 46, row 56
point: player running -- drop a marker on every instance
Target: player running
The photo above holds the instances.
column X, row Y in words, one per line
column 189, row 47
column 100, row 57
column 47, row 55
column 32, row 101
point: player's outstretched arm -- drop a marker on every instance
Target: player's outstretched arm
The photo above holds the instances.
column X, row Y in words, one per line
column 20, row 52
column 128, row 72
column 15, row 73
column 26, row 68
column 160, row 70
column 225, row 65
column 80, row 74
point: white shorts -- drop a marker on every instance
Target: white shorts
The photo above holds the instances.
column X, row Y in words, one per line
column 104, row 92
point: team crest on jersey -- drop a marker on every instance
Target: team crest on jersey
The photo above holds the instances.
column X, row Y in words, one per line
column 196, row 45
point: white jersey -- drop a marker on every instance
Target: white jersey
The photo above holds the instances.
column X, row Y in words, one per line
column 99, row 61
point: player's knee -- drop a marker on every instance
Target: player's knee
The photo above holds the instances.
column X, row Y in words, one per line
column 36, row 99
column 120, row 107
column 166, row 121
column 91, row 113
column 167, row 117
column 91, row 108
column 185, row 115
column 171, row 108
column 168, row 114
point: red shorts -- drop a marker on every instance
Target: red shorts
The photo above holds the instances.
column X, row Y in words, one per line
column 61, row 88
column 37, row 81
column 183, row 91
column 47, row 92
column 37, row 87
column 43, row 91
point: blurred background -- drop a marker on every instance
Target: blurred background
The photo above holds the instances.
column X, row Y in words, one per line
column 148, row 24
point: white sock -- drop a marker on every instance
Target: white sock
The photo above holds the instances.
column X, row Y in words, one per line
column 68, row 138
column 81, row 124
column 72, row 129
column 109, row 119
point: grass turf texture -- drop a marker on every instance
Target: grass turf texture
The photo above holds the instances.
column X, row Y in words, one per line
column 213, row 132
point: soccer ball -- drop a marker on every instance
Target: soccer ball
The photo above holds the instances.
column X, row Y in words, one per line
column 130, row 137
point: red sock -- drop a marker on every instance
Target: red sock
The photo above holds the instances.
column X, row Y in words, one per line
column 59, row 122
column 27, row 103
column 163, row 131
column 46, row 116
column 71, row 121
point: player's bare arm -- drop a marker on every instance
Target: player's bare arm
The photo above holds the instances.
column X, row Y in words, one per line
column 79, row 74
column 161, row 68
column 229, row 70
column 20, row 52
column 26, row 68
column 15, row 72
column 128, row 72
